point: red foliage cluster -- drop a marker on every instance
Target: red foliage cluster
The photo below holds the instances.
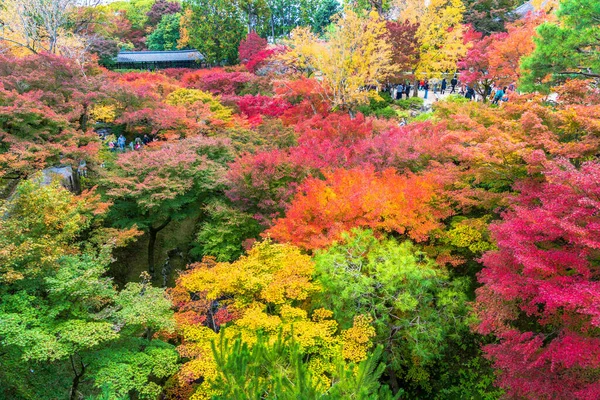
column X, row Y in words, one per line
column 264, row 184
column 262, row 105
column 546, row 271
column 34, row 137
column 250, row 46
column 161, row 8
column 260, row 59
column 145, row 84
column 405, row 46
column 166, row 122
column 217, row 81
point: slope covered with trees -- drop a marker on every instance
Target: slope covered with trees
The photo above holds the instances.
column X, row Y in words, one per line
column 312, row 215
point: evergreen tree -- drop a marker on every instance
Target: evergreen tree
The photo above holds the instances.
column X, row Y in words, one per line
column 326, row 10
column 568, row 48
column 215, row 28
column 490, row 16
column 166, row 34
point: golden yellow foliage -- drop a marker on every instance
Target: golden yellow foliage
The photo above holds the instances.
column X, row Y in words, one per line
column 103, row 113
column 409, row 10
column 266, row 293
column 440, row 36
column 189, row 97
column 354, row 57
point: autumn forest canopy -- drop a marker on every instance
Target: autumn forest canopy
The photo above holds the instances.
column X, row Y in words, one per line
column 360, row 199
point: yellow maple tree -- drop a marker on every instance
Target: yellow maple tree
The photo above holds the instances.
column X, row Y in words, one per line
column 409, row 10
column 440, row 37
column 354, row 58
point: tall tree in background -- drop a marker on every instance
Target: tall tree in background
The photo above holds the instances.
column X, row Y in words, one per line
column 256, row 14
column 567, row 48
column 380, row 6
column 215, row 28
column 440, row 36
column 166, row 35
column 356, row 55
column 136, row 11
column 161, row 8
column 405, row 48
column 325, row 11
column 490, row 16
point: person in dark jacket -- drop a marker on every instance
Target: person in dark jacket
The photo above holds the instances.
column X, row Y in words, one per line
column 407, row 89
column 426, row 88
column 470, row 93
column 444, row 84
column 453, row 84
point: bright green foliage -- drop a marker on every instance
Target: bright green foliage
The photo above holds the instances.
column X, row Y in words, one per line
column 125, row 367
column 135, row 11
column 57, row 307
column 279, row 370
column 565, row 49
column 415, row 306
column 215, row 28
column 289, row 14
column 223, row 232
column 166, row 34
column 326, row 9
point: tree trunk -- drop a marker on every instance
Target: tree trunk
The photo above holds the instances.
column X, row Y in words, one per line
column 152, row 232
column 76, row 379
column 416, row 89
column 83, row 119
column 393, row 381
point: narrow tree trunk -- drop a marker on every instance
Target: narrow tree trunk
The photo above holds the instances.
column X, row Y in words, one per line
column 76, row 379
column 83, row 119
column 151, row 242
column 393, row 382
column 152, row 232
column 416, row 89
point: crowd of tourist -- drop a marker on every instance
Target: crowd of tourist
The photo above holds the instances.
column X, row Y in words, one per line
column 120, row 144
column 496, row 94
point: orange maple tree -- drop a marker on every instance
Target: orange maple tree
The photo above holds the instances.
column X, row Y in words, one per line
column 361, row 197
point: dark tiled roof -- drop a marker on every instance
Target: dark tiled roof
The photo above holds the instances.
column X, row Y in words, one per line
column 159, row 56
column 524, row 9
column 528, row 7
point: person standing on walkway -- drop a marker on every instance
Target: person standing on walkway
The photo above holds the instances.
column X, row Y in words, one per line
column 426, row 88
column 453, row 84
column 399, row 91
column 470, row 93
column 444, row 84
column 499, row 95
column 121, row 142
column 407, row 89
